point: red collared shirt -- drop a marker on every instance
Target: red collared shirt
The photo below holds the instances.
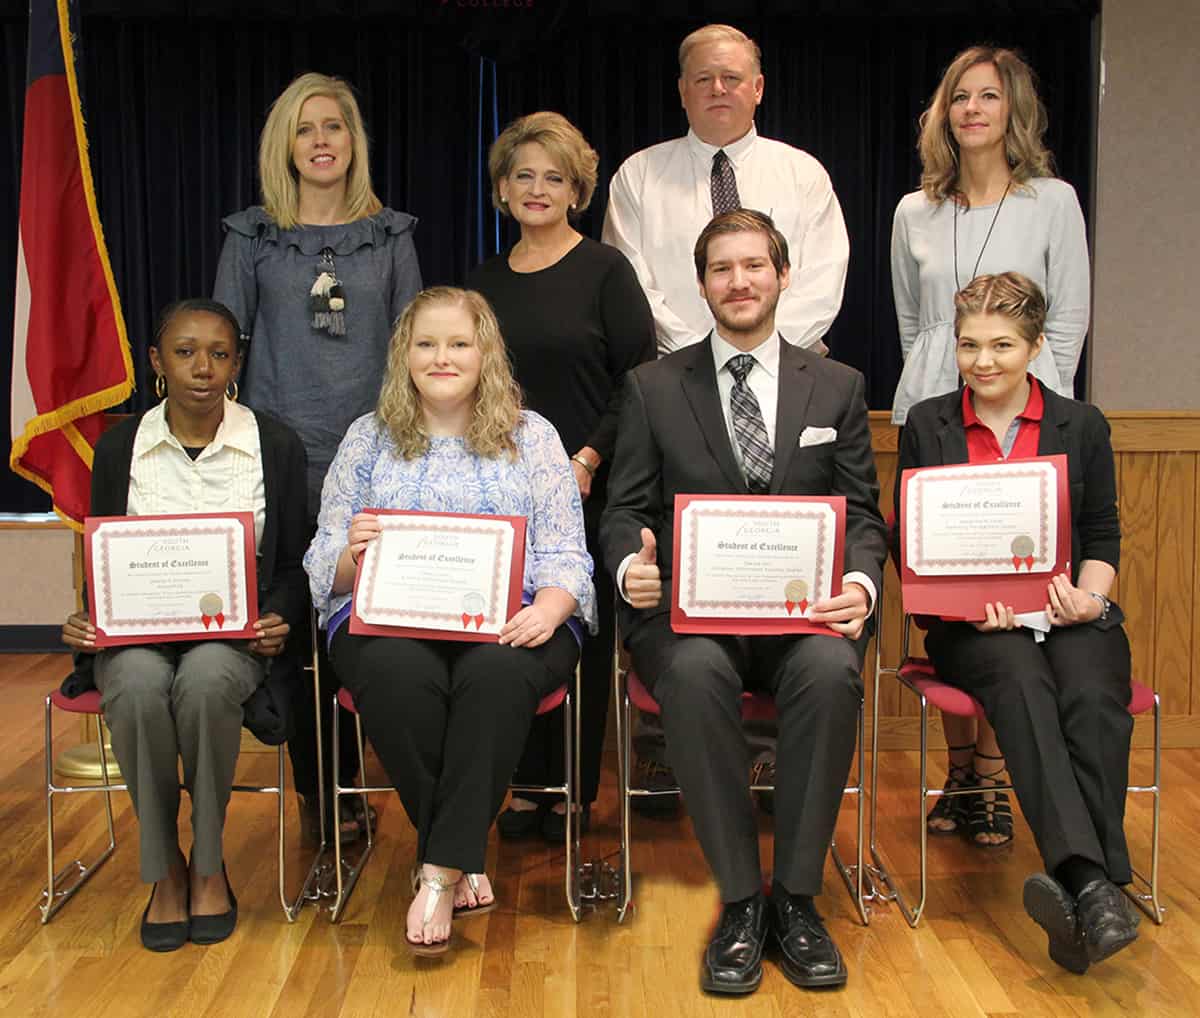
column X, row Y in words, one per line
column 982, row 446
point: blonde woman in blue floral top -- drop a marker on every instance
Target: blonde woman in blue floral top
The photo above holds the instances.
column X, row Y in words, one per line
column 448, row 719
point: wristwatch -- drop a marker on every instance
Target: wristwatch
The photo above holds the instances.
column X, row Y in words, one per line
column 1105, row 604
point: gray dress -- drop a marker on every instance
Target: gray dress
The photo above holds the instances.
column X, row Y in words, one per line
column 313, row 381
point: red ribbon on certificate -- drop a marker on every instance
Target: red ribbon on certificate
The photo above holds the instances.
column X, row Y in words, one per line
column 792, row 605
column 467, row 619
column 219, row 619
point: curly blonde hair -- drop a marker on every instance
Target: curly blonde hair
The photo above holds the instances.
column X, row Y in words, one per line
column 1027, row 155
column 1006, row 293
column 563, row 142
column 277, row 172
column 497, row 410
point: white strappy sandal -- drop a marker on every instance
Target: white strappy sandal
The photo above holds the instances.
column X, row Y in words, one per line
column 480, row 907
column 461, row 911
column 438, row 885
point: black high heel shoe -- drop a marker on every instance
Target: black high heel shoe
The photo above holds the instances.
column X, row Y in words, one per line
column 164, row 936
column 212, row 929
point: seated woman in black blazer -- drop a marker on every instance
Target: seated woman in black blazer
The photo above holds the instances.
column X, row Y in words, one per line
column 1059, row 705
column 196, row 451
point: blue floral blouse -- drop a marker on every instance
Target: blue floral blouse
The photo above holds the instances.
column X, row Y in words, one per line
column 367, row 473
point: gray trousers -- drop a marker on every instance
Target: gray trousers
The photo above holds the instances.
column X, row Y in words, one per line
column 175, row 701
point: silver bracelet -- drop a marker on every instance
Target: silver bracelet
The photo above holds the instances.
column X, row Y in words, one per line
column 1105, row 603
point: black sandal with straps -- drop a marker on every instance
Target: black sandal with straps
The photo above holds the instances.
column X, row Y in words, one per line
column 990, row 816
column 954, row 808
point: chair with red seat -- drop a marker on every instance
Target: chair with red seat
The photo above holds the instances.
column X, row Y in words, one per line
column 917, row 675
column 629, row 692
column 347, row 876
column 55, row 896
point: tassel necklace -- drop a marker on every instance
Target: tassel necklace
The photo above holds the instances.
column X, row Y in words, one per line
column 327, row 298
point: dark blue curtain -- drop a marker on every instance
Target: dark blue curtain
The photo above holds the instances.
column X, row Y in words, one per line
column 176, row 95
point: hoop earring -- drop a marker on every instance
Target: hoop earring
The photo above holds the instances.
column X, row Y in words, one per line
column 160, row 386
column 232, row 396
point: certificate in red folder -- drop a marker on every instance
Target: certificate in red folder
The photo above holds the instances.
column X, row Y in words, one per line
column 156, row 579
column 976, row 534
column 440, row 576
column 755, row 564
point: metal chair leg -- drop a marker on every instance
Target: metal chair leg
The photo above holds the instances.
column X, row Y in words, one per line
column 852, row 875
column 346, row 884
column 1143, row 891
column 53, row 897
column 624, row 761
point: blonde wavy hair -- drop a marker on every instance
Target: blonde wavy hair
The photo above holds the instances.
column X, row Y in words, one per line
column 277, row 172
column 1027, row 156
column 497, row 400
column 1009, row 294
column 563, row 142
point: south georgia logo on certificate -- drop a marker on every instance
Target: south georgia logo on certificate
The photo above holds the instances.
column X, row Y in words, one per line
column 795, row 596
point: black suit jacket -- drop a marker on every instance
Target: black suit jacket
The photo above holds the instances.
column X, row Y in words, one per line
column 282, row 583
column 672, row 440
column 934, row 435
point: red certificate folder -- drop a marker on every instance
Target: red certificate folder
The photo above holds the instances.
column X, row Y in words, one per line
column 208, row 626
column 963, row 597
column 515, row 579
column 748, row 625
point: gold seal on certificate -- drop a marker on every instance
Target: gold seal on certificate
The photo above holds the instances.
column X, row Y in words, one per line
column 162, row 578
column 752, row 564
column 439, row 575
column 795, row 596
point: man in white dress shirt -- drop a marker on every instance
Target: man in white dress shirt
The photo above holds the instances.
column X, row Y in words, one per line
column 663, row 196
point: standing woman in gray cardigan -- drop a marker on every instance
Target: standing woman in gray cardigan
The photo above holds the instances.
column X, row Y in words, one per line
column 317, row 275
column 988, row 203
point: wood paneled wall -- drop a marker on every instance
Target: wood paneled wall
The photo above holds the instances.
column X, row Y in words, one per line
column 1158, row 488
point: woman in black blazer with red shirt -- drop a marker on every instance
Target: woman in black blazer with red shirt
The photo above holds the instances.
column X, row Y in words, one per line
column 1059, row 705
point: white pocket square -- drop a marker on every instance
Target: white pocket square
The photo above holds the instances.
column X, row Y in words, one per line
column 817, row 436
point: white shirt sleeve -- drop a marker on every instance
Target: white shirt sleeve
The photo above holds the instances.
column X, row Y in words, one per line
column 623, row 230
column 818, row 276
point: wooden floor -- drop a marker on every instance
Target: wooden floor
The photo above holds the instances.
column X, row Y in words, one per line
column 975, row 954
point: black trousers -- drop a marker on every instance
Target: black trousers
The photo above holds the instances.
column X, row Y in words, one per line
column 448, row 720
column 542, row 760
column 698, row 681
column 1060, row 710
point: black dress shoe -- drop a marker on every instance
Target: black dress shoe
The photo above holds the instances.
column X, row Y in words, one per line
column 1051, row 906
column 1106, row 920
column 212, row 929
column 733, row 959
column 514, row 824
column 807, row 954
column 162, row 936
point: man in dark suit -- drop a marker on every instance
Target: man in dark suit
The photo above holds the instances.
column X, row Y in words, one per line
column 744, row 413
